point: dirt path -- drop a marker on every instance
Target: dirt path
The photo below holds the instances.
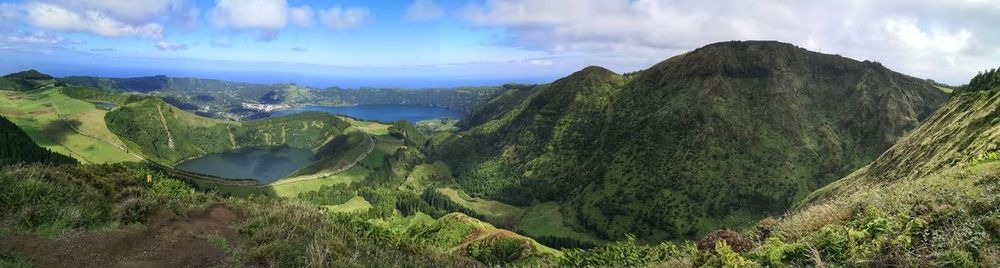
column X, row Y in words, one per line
column 168, row 242
column 88, row 135
column 232, row 139
column 170, row 137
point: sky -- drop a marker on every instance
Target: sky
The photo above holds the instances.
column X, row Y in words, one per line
column 439, row 43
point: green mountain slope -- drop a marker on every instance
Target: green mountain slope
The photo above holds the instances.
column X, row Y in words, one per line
column 25, row 80
column 720, row 136
column 167, row 134
column 932, row 200
column 962, row 133
column 19, row 148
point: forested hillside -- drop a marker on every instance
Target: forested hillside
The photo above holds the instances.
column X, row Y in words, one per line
column 19, row 148
column 26, row 80
column 721, row 136
column 929, row 201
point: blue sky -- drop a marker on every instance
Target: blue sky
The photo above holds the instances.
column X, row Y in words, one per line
column 428, row 43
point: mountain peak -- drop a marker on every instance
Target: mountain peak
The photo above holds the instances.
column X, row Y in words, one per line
column 749, row 44
column 30, row 75
column 589, row 75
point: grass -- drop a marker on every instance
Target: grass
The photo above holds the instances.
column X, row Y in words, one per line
column 544, row 219
column 494, row 211
column 372, row 128
column 235, row 190
column 357, row 173
column 944, row 89
column 423, row 175
column 287, row 190
column 32, row 112
column 357, row 204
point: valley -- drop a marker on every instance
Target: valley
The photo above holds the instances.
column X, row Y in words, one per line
column 735, row 154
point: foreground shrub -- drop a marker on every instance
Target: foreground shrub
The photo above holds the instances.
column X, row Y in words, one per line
column 736, row 241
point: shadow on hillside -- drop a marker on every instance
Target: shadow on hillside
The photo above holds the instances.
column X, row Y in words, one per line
column 59, row 130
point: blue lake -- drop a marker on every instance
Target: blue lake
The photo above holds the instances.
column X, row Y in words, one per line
column 380, row 112
column 105, row 105
column 265, row 164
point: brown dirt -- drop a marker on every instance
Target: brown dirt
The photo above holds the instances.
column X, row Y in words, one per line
column 168, row 242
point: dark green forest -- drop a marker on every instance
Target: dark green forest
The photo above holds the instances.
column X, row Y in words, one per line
column 18, row 148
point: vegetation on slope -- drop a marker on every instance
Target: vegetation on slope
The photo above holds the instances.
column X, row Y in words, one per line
column 166, row 134
column 720, row 136
column 48, row 200
column 19, row 148
column 25, row 81
column 986, row 80
column 930, row 201
column 66, row 125
column 962, row 132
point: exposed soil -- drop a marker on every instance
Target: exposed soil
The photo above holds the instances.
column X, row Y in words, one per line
column 169, row 241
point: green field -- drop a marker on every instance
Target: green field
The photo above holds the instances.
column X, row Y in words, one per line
column 544, row 219
column 33, row 112
column 357, row 173
column 357, row 204
column 495, row 212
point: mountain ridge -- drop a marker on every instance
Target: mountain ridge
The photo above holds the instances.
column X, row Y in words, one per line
column 782, row 119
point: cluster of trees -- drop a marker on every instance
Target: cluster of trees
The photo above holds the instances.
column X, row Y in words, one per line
column 17, row 147
column 987, row 80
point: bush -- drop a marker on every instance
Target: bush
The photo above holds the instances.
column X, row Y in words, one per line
column 498, row 251
column 733, row 240
column 625, row 253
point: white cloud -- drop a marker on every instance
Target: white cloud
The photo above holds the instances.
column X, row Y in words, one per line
column 301, row 16
column 300, row 49
column 423, row 10
column 54, row 17
column 940, row 39
column 540, row 62
column 129, row 11
column 168, row 46
column 267, row 17
column 338, row 18
column 37, row 38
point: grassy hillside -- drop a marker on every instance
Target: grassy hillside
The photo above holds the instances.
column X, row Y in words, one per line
column 721, row 136
column 930, row 201
column 167, row 134
column 24, row 81
column 962, row 133
column 64, row 124
column 18, row 148
column 116, row 215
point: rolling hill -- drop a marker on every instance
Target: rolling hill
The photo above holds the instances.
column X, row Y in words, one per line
column 720, row 136
column 167, row 134
column 25, row 80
